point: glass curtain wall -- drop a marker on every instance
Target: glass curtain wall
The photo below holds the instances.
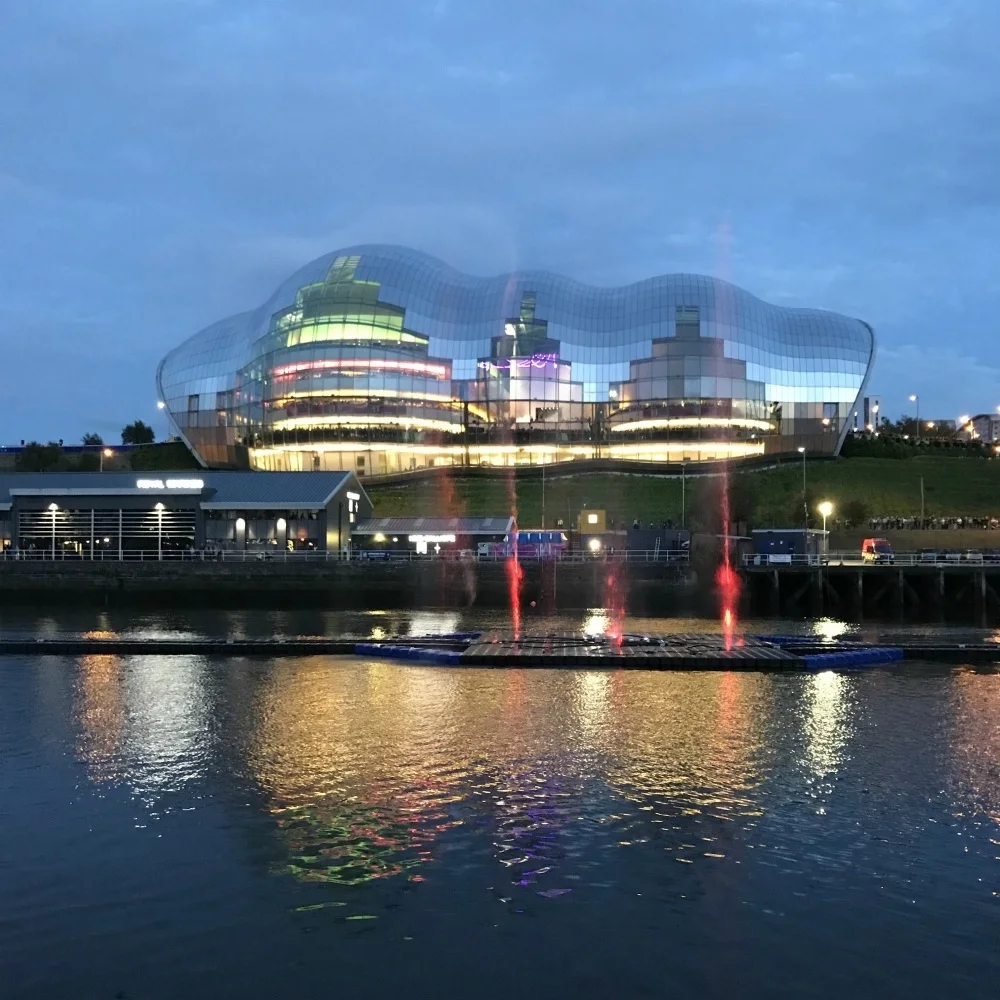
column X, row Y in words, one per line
column 382, row 360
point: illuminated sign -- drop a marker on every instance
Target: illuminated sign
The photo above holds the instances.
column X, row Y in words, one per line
column 169, row 484
column 432, row 539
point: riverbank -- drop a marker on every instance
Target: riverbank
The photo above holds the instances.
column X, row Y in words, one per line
column 771, row 495
column 644, row 588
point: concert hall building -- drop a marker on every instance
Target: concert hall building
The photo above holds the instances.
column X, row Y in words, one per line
column 380, row 360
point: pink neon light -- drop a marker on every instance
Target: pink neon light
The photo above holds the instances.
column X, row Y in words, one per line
column 384, row 364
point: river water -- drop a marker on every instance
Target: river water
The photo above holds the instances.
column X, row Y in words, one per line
column 312, row 827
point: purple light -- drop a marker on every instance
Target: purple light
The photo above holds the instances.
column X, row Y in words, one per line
column 535, row 361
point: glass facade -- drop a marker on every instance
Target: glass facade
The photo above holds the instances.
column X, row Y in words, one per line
column 382, row 360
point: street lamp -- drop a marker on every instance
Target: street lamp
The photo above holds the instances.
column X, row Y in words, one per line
column 105, row 453
column 684, row 466
column 159, row 508
column 826, row 509
column 914, row 398
column 53, row 507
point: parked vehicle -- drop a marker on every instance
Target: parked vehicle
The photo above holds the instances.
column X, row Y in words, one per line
column 529, row 545
column 876, row 550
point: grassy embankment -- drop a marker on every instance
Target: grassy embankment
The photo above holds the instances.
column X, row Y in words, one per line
column 952, row 487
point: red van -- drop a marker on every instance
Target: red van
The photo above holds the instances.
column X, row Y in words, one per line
column 876, row 550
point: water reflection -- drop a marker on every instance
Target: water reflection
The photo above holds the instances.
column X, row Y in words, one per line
column 552, row 813
column 828, row 723
column 368, row 771
column 976, row 743
column 349, row 768
column 434, row 623
column 596, row 622
column 830, row 629
column 100, row 716
column 143, row 720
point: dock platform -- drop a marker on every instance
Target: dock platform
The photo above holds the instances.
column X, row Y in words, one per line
column 552, row 651
column 699, row 652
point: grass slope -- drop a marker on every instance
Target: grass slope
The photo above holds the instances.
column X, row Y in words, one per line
column 952, row 487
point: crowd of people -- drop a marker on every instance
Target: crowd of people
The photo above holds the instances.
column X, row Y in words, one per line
column 932, row 523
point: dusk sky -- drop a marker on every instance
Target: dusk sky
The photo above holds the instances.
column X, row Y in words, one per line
column 164, row 163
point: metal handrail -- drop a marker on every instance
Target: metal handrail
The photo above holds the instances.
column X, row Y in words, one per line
column 268, row 555
column 968, row 557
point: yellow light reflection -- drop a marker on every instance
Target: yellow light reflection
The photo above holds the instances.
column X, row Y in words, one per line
column 100, row 716
column 828, row 723
column 168, row 734
column 829, row 629
column 597, row 622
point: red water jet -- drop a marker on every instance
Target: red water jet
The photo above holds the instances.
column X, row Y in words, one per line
column 726, row 578
column 614, row 605
column 514, row 576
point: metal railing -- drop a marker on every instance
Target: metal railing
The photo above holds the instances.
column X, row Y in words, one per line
column 854, row 558
column 661, row 556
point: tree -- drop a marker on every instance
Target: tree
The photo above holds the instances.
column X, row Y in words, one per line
column 706, row 502
column 93, row 440
column 138, row 433
column 38, row 457
column 744, row 498
column 172, row 455
column 855, row 512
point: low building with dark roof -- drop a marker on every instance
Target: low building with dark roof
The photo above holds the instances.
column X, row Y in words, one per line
column 115, row 515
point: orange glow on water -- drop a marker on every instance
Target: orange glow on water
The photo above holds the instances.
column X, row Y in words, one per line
column 729, row 591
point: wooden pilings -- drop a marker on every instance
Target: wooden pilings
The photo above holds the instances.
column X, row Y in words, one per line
column 942, row 593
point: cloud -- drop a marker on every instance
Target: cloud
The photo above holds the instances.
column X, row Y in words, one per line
column 166, row 163
column 949, row 381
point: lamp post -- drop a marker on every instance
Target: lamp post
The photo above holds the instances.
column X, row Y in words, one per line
column 53, row 507
column 805, row 503
column 684, row 466
column 159, row 530
column 543, row 492
column 826, row 509
column 105, row 453
column 914, row 398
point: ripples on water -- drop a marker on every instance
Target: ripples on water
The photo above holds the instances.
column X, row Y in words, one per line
column 301, row 826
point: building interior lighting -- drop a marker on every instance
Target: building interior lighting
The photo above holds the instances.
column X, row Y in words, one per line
column 360, row 421
column 592, row 519
column 662, row 423
column 365, row 397
column 375, row 364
